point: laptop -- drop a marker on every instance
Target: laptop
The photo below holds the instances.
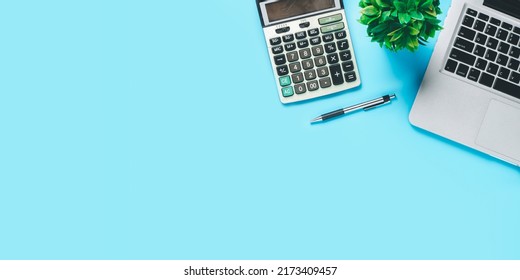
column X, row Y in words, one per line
column 471, row 90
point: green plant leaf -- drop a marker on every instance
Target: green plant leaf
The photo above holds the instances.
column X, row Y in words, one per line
column 370, row 11
column 413, row 31
column 385, row 15
column 426, row 5
column 382, row 4
column 396, row 36
column 379, row 28
column 401, row 7
column 416, row 15
column 404, row 18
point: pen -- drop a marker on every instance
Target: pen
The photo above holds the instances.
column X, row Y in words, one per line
column 371, row 104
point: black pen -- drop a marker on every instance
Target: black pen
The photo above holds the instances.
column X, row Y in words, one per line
column 365, row 106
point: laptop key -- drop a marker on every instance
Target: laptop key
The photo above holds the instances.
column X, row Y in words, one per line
column 502, row 59
column 479, row 50
column 472, row 12
column 451, row 66
column 504, row 73
column 463, row 56
column 515, row 77
column 483, row 17
column 491, row 30
column 513, row 39
column 467, row 33
column 462, row 70
column 495, row 21
column 474, row 74
column 481, row 39
column 507, row 26
column 464, row 44
column 502, row 34
column 507, row 88
column 492, row 43
column 479, row 25
column 468, row 21
column 514, row 52
column 492, row 68
column 491, row 55
column 513, row 64
column 486, row 80
column 481, row 64
column 503, row 47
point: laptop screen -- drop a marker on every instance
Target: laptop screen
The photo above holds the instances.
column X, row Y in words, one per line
column 510, row 7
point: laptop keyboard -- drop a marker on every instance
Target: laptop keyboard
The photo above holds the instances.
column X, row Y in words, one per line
column 486, row 50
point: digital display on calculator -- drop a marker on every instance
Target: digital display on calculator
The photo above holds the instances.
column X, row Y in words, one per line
column 310, row 48
column 284, row 9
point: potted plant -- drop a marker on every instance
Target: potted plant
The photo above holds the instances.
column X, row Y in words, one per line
column 400, row 24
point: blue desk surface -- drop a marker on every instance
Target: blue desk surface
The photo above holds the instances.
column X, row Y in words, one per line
column 153, row 130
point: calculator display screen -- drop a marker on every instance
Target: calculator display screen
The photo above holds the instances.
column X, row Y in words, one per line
column 284, row 9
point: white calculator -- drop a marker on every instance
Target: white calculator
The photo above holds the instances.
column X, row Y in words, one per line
column 309, row 46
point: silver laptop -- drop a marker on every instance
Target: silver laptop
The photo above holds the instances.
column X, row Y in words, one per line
column 471, row 90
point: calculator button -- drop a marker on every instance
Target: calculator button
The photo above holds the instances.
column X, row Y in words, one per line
column 280, row 59
column 276, row 41
column 325, row 82
column 305, row 53
column 295, row 67
column 335, row 73
column 346, row 55
column 305, row 24
column 343, row 45
column 314, row 32
column 341, row 35
column 307, row 64
column 282, row 70
column 292, row 56
column 332, row 58
column 303, row 44
column 300, row 88
column 285, row 81
column 283, row 30
column 350, row 77
column 315, row 41
column 348, row 66
column 277, row 50
column 297, row 78
column 317, row 51
column 310, row 75
column 323, row 72
column 332, row 27
column 301, row 35
column 287, row 92
column 330, row 47
column 288, row 38
column 320, row 61
column 328, row 38
column 312, row 86
column 330, row 19
column 290, row 47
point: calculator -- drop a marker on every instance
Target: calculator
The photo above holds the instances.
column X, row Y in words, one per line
column 309, row 46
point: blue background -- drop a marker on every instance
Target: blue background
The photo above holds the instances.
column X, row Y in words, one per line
column 153, row 130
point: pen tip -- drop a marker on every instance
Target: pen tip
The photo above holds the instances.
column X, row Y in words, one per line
column 315, row 120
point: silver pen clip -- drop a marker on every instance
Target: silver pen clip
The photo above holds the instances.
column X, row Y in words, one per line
column 386, row 100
